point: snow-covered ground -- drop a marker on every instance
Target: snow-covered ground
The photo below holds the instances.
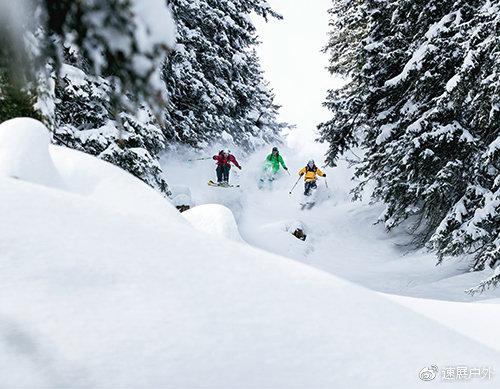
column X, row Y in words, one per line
column 104, row 284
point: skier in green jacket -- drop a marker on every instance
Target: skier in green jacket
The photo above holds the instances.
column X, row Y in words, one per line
column 274, row 160
column 272, row 167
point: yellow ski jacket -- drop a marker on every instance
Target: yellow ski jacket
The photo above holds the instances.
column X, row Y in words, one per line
column 310, row 174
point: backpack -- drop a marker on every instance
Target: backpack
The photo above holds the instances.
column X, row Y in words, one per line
column 313, row 169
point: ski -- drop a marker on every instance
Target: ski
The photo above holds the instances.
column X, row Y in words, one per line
column 221, row 185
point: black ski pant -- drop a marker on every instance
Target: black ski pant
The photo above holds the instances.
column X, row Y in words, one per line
column 223, row 173
column 309, row 186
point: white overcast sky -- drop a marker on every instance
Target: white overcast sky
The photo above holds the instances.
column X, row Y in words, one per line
column 293, row 62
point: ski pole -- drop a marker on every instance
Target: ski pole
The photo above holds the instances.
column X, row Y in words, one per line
column 326, row 183
column 199, row 159
column 291, row 190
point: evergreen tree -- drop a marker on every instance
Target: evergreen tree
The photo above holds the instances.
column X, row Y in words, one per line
column 85, row 119
column 216, row 86
column 422, row 100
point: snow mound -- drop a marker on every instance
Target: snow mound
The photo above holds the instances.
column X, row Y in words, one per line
column 214, row 219
column 24, row 152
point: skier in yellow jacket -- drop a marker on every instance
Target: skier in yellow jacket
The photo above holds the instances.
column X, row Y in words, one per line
column 310, row 171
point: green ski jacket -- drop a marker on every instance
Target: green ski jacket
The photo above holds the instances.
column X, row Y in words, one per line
column 273, row 163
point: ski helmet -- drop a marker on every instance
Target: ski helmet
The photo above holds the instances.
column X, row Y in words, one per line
column 275, row 149
column 310, row 163
column 226, row 151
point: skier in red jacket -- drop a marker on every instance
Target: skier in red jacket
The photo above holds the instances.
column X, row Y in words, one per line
column 224, row 160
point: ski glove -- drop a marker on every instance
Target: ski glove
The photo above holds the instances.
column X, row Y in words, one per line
column 324, row 175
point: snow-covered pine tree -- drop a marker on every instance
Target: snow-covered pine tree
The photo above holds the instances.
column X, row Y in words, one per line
column 259, row 123
column 86, row 119
column 422, row 100
column 349, row 23
column 473, row 224
column 216, row 86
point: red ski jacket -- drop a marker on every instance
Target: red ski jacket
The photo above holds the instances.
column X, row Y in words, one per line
column 223, row 161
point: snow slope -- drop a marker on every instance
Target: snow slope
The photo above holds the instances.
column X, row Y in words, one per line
column 473, row 320
column 105, row 285
column 342, row 237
